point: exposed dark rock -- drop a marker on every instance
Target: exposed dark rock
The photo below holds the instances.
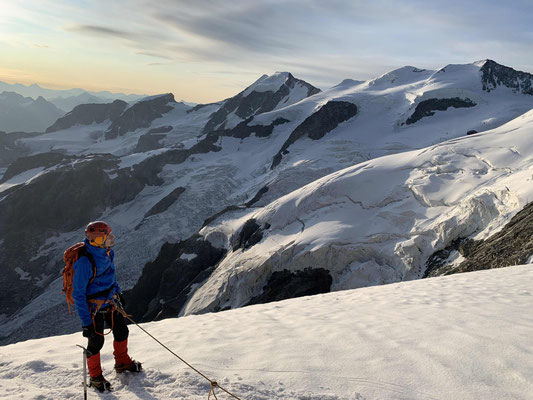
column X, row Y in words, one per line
column 58, row 201
column 513, row 245
column 10, row 149
column 255, row 103
column 166, row 202
column 284, row 285
column 428, row 107
column 254, row 200
column 165, row 283
column 218, row 214
column 257, row 196
column 150, row 141
column 242, row 130
column 318, row 124
column 471, row 132
column 26, row 163
column 88, row 114
column 250, row 234
column 161, row 129
column 439, row 259
column 147, row 171
column 197, row 107
column 494, row 75
column 140, row 115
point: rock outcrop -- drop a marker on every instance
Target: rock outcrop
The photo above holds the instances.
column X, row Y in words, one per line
column 165, row 202
column 10, row 149
column 165, row 283
column 152, row 139
column 427, row 108
column 140, row 115
column 251, row 102
column 243, row 130
column 327, row 118
column 88, row 114
column 285, row 284
column 22, row 164
column 494, row 75
column 513, row 245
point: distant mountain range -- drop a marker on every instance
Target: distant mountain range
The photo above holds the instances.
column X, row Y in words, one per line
column 35, row 91
column 279, row 191
column 18, row 113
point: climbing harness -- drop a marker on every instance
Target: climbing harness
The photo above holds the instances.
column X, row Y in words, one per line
column 95, row 306
column 213, row 383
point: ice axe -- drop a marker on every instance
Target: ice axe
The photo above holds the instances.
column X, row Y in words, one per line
column 84, row 371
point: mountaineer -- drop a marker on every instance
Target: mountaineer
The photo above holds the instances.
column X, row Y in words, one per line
column 95, row 291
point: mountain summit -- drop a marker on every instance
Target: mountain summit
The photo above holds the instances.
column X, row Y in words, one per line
column 266, row 94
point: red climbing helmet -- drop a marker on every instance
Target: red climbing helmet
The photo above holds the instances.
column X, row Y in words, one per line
column 97, row 229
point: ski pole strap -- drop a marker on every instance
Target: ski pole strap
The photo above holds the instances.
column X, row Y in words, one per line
column 213, row 383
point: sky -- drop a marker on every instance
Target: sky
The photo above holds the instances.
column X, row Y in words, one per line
column 208, row 50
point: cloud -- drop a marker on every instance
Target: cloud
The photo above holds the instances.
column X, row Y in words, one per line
column 152, row 54
column 94, row 30
column 320, row 41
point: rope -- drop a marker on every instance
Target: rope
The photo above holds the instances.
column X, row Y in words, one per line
column 213, row 383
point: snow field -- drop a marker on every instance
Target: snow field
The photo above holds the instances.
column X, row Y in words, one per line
column 464, row 336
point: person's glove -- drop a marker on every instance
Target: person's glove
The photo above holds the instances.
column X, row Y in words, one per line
column 88, row 331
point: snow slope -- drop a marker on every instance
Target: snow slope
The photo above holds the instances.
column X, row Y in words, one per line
column 464, row 336
column 379, row 221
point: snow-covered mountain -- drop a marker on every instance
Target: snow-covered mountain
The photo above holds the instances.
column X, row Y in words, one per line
column 162, row 171
column 464, row 337
column 18, row 113
column 374, row 223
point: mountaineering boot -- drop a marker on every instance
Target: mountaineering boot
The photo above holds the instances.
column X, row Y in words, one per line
column 100, row 383
column 133, row 366
column 123, row 362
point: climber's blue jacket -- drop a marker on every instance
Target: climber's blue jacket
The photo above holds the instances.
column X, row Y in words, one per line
column 105, row 279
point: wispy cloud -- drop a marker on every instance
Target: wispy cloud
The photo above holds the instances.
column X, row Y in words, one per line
column 152, row 54
column 100, row 31
column 323, row 41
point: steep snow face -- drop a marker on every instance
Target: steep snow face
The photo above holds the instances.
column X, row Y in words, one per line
column 378, row 222
column 464, row 337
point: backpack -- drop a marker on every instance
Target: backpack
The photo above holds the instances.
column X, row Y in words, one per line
column 70, row 256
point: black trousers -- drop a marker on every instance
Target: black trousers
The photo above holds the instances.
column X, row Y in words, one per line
column 114, row 320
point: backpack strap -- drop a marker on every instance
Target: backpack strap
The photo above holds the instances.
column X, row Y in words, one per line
column 84, row 253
